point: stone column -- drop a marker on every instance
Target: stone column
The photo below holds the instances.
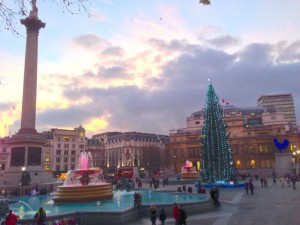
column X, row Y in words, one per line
column 33, row 25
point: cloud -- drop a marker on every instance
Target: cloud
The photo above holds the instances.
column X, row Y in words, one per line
column 109, row 98
column 223, row 41
column 90, row 41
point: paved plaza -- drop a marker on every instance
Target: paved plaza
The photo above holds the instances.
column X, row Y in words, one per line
column 268, row 206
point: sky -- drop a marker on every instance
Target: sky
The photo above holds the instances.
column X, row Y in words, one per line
column 144, row 65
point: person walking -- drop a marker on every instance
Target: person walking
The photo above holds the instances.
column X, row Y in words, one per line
column 216, row 196
column 40, row 216
column 153, row 214
column 247, row 187
column 182, row 216
column 11, row 218
column 274, row 181
column 162, row 216
column 175, row 213
column 251, row 187
column 293, row 180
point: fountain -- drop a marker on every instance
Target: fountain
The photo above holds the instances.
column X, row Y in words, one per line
column 188, row 172
column 84, row 184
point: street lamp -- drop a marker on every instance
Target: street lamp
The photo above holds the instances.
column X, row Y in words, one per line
column 174, row 161
column 22, row 180
column 298, row 154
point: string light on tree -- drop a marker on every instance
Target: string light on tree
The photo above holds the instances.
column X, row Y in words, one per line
column 217, row 158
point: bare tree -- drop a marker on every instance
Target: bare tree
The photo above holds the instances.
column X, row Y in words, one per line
column 12, row 10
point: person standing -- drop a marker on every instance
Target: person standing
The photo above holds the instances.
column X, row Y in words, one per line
column 251, row 187
column 153, row 214
column 162, row 216
column 40, row 216
column 294, row 179
column 175, row 213
column 182, row 216
column 247, row 187
column 11, row 218
column 139, row 203
column 216, row 196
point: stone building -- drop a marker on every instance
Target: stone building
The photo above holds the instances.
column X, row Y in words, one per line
column 251, row 131
column 62, row 150
column 128, row 149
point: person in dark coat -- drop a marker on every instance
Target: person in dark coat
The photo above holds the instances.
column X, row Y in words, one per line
column 251, row 187
column 216, row 194
column 162, row 216
column 153, row 214
column 247, row 187
column 182, row 216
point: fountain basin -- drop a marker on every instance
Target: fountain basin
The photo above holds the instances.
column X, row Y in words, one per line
column 83, row 193
column 83, row 185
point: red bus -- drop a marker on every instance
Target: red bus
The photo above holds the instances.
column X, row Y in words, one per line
column 125, row 172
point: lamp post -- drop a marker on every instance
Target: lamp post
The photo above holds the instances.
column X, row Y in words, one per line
column 175, row 166
column 297, row 160
column 22, row 181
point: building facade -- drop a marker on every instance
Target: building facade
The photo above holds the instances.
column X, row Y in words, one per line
column 129, row 149
column 251, row 132
column 63, row 148
column 283, row 103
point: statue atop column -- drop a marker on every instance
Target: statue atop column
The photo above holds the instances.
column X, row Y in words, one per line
column 33, row 12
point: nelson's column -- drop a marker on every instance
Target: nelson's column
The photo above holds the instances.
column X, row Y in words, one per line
column 26, row 146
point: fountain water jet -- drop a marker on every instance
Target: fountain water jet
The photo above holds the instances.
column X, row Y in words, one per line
column 84, row 184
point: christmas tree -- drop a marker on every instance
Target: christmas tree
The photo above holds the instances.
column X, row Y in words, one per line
column 217, row 161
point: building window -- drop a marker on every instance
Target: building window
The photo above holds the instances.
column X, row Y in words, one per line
column 73, row 145
column 47, row 159
column 58, row 152
column 58, row 159
column 65, row 159
column 66, row 152
column 66, row 145
column 57, row 168
column 73, row 152
column 72, row 167
column 46, row 167
column 66, row 139
column 65, row 167
column 58, row 145
column 81, row 146
column 72, row 159
column 58, row 139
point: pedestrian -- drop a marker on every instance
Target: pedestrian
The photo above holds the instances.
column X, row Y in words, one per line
column 281, row 181
column 212, row 194
column 40, row 216
column 288, row 181
column 265, row 182
column 202, row 190
column 182, row 216
column 162, row 216
column 11, row 218
column 251, row 187
column 262, row 182
column 139, row 203
column 294, row 179
column 274, row 181
column 216, row 196
column 247, row 187
column 175, row 213
column 153, row 214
